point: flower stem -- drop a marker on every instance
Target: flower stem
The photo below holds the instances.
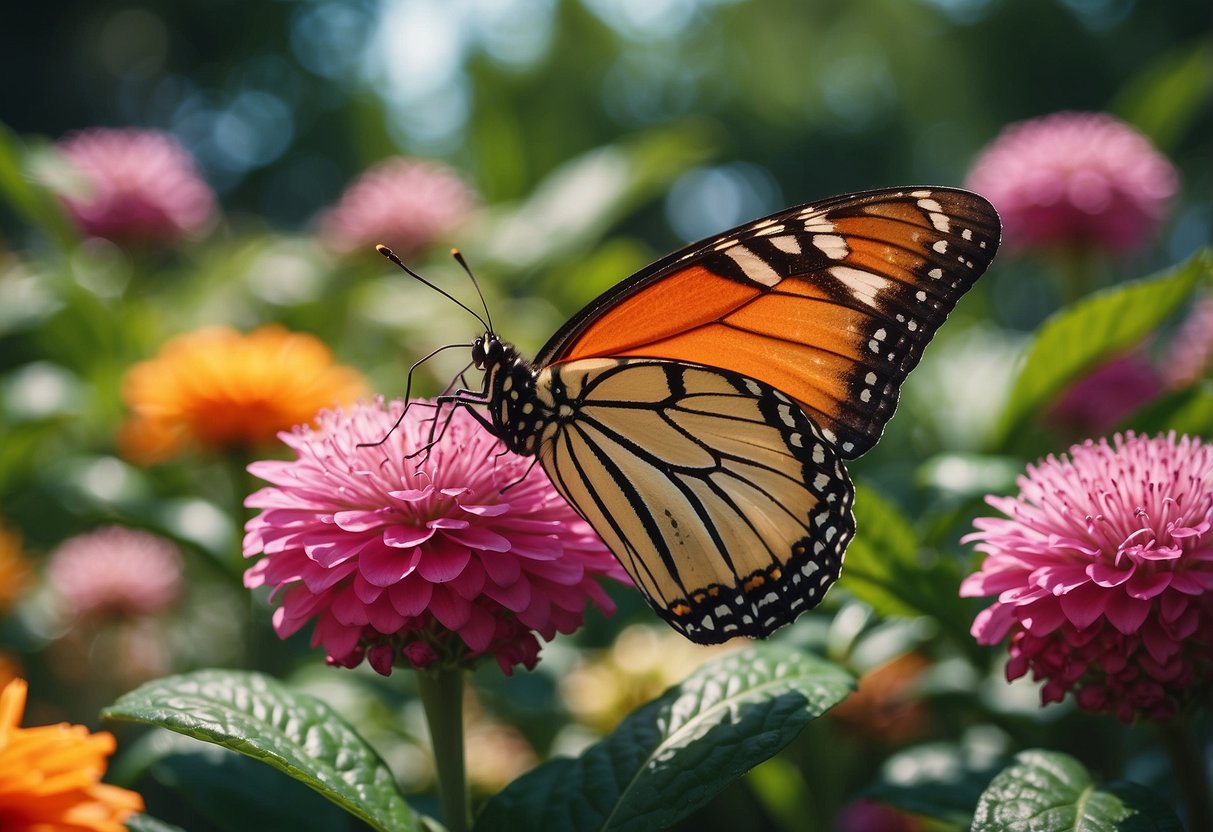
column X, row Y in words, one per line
column 1183, row 743
column 442, row 696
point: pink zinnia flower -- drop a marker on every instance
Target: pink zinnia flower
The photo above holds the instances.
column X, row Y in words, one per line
column 437, row 559
column 115, row 571
column 1103, row 568
column 1107, row 395
column 138, row 186
column 406, row 204
column 1067, row 179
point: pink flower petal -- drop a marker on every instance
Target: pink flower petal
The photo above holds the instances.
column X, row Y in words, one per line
column 1126, row 614
column 384, row 566
column 445, row 563
column 404, row 537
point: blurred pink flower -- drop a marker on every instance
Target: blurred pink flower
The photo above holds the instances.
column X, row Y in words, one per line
column 1069, row 179
column 1190, row 357
column 139, row 186
column 115, row 571
column 1103, row 568
column 423, row 561
column 1107, row 396
column 406, row 204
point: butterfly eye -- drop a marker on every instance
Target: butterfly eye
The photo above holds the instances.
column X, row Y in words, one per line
column 478, row 353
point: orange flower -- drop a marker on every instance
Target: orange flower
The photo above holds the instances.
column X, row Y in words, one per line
column 216, row 388
column 50, row 777
column 14, row 569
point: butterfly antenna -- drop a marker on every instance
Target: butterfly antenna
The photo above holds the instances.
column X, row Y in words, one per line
column 458, row 255
column 389, row 254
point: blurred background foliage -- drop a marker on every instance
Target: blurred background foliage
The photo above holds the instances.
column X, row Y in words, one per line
column 599, row 134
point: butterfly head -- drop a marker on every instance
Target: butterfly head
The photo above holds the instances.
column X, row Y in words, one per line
column 487, row 350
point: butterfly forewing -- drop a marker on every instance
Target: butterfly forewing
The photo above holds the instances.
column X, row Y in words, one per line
column 830, row 303
column 721, row 498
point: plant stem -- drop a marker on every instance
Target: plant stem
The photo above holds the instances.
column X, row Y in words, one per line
column 1183, row 743
column 442, row 696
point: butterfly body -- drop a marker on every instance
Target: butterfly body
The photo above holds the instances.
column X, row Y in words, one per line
column 699, row 413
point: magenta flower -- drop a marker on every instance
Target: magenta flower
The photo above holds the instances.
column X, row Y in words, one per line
column 435, row 560
column 1075, row 179
column 138, row 186
column 1103, row 568
column 406, row 204
column 1107, row 395
column 115, row 571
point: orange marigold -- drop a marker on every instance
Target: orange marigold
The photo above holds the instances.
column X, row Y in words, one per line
column 217, row 388
column 14, row 569
column 50, row 776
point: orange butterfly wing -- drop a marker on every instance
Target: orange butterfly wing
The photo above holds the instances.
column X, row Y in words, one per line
column 832, row 303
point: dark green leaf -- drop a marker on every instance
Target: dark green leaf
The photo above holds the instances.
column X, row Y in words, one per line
column 1184, row 411
column 1046, row 791
column 884, row 569
column 1081, row 336
column 671, row 756
column 297, row 734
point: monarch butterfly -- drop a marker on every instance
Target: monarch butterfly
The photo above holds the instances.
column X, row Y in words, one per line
column 697, row 415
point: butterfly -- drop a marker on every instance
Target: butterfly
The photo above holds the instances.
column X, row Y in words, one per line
column 698, row 414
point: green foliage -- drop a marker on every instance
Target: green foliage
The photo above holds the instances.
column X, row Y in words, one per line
column 886, row 568
column 1046, row 791
column 295, row 733
column 1076, row 339
column 671, row 756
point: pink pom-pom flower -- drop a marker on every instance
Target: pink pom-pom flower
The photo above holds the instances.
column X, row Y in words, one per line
column 463, row 551
column 1103, row 571
column 1075, row 179
column 405, row 204
column 115, row 571
column 136, row 186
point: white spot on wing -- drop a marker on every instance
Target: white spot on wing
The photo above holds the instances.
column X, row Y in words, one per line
column 941, row 246
column 787, row 244
column 920, row 194
column 863, row 285
column 755, row 268
column 832, row 245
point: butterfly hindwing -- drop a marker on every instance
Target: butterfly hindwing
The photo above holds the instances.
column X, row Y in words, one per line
column 721, row 498
column 831, row 303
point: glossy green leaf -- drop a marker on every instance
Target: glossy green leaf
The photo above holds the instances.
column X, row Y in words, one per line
column 1096, row 328
column 1046, row 791
column 671, row 756
column 258, row 716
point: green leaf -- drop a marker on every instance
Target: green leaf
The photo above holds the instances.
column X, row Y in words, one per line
column 1046, row 791
column 1081, row 336
column 1187, row 411
column 578, row 202
column 29, row 201
column 1165, row 100
column 672, row 755
column 258, row 716
column 884, row 569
